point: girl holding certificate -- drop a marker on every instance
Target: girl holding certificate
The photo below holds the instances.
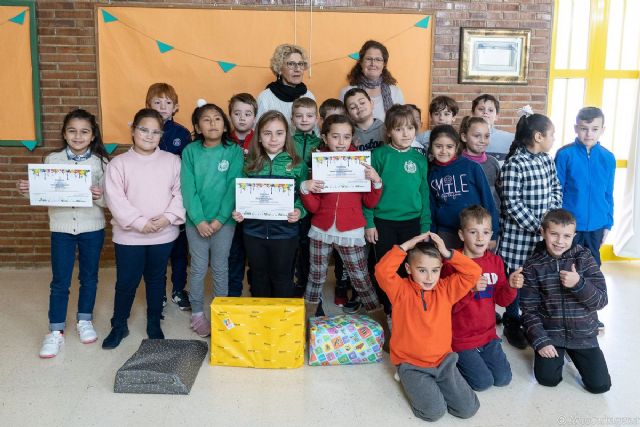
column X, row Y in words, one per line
column 72, row 228
column 271, row 244
column 338, row 222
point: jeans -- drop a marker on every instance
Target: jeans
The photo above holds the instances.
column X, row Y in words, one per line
column 270, row 262
column 179, row 257
column 485, row 366
column 236, row 263
column 590, row 240
column 63, row 256
column 133, row 262
column 209, row 251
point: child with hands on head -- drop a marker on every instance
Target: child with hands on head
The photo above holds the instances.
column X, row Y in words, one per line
column 422, row 306
column 210, row 166
column 72, row 228
column 481, row 360
column 338, row 222
column 271, row 245
column 563, row 289
column 455, row 183
column 142, row 188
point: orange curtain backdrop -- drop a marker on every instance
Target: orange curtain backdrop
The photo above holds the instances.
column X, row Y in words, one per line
column 130, row 59
column 16, row 85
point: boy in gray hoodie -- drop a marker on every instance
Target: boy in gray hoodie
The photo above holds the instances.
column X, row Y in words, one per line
column 369, row 132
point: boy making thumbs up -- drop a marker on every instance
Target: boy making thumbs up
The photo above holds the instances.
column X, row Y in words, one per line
column 563, row 288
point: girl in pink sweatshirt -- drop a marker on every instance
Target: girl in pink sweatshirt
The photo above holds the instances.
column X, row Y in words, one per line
column 142, row 188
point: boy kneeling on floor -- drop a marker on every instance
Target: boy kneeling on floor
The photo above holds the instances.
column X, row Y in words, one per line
column 421, row 339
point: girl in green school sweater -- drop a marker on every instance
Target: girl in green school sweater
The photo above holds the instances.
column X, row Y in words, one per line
column 210, row 166
column 403, row 210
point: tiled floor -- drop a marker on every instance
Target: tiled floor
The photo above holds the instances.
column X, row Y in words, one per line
column 76, row 387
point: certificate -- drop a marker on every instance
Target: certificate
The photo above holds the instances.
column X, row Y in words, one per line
column 60, row 185
column 341, row 171
column 258, row 198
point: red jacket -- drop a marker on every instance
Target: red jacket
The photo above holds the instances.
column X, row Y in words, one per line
column 474, row 319
column 345, row 209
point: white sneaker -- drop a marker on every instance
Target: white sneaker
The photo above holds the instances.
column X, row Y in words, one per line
column 396, row 376
column 86, row 332
column 51, row 344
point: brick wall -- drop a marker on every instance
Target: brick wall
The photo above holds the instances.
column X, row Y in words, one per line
column 68, row 73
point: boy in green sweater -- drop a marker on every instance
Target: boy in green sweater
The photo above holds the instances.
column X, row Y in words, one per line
column 403, row 210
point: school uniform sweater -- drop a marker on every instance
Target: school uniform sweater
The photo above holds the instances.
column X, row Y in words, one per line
column 278, row 168
column 373, row 137
column 474, row 321
column 139, row 188
column 587, row 184
column 406, row 194
column 175, row 137
column 455, row 186
column 556, row 315
column 305, row 143
column 528, row 188
column 422, row 319
column 208, row 181
column 76, row 220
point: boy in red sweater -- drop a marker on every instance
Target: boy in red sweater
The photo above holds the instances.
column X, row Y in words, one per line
column 421, row 339
column 481, row 360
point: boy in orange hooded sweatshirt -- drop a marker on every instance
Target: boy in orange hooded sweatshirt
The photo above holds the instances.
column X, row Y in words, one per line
column 422, row 330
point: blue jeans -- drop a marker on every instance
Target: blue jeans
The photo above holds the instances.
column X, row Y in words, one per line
column 592, row 241
column 236, row 263
column 179, row 257
column 63, row 256
column 485, row 366
column 133, row 262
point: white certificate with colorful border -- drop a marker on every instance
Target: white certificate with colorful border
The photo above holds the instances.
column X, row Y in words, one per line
column 261, row 198
column 60, row 185
column 341, row 171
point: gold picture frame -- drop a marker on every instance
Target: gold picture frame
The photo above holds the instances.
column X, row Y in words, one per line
column 494, row 56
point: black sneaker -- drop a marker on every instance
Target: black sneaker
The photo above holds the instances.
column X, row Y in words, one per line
column 514, row 333
column 600, row 326
column 498, row 318
column 182, row 299
column 353, row 305
column 319, row 310
column 164, row 301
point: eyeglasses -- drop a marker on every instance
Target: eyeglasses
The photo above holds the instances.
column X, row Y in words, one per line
column 292, row 65
column 149, row 132
column 371, row 60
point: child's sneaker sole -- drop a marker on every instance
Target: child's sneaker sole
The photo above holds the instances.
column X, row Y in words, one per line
column 89, row 341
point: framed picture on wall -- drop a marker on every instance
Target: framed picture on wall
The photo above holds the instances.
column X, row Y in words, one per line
column 494, row 55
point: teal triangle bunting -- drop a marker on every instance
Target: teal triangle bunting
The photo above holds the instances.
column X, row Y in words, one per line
column 19, row 18
column 110, row 147
column 226, row 66
column 354, row 56
column 164, row 47
column 423, row 23
column 107, row 17
column 31, row 145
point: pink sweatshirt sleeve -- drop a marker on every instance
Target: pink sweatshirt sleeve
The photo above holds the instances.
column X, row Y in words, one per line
column 176, row 212
column 126, row 215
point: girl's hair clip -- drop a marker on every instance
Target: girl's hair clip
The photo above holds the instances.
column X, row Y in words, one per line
column 201, row 102
column 525, row 111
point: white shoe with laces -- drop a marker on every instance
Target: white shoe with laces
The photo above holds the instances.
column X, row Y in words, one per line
column 51, row 344
column 86, row 332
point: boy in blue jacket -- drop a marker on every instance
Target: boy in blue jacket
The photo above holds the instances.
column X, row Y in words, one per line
column 563, row 289
column 586, row 172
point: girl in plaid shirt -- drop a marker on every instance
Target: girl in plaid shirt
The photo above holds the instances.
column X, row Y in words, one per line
column 338, row 222
column 528, row 188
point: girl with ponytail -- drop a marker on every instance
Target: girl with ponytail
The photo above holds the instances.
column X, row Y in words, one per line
column 528, row 188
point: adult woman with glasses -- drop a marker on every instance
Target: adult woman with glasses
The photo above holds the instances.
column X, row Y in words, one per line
column 371, row 74
column 288, row 63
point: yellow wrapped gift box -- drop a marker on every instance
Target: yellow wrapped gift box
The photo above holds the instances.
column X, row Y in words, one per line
column 257, row 332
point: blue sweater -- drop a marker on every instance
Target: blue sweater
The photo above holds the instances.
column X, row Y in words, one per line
column 587, row 184
column 174, row 138
column 454, row 187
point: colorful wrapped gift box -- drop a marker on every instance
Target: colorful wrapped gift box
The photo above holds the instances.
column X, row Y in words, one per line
column 257, row 332
column 344, row 340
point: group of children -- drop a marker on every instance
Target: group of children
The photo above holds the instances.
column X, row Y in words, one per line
column 441, row 217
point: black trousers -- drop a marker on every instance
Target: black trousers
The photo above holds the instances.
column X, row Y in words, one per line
column 589, row 362
column 301, row 264
column 270, row 262
column 391, row 233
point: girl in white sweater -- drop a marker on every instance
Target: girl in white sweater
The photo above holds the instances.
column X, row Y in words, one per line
column 72, row 228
